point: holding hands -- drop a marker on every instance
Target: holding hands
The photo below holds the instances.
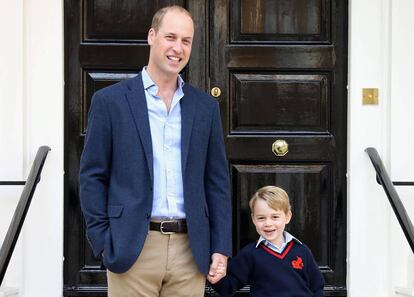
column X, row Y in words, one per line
column 218, row 268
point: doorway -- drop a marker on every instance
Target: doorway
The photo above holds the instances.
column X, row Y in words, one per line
column 281, row 69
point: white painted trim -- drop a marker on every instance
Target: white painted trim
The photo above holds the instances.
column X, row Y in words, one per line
column 368, row 209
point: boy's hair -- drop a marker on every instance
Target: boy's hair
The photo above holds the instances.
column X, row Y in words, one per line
column 275, row 197
column 159, row 15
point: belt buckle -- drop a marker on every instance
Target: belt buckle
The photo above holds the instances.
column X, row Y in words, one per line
column 162, row 226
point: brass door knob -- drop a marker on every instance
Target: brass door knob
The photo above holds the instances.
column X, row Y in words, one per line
column 215, row 92
column 280, row 147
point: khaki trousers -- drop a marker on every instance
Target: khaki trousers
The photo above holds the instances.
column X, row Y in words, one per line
column 165, row 268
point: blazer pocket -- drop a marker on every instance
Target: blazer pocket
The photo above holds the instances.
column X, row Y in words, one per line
column 115, row 211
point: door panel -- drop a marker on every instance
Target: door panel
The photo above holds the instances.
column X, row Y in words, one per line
column 309, row 186
column 281, row 67
column 120, row 20
column 279, row 21
column 291, row 103
column 94, row 80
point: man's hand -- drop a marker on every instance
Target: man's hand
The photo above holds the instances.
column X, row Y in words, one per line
column 218, row 268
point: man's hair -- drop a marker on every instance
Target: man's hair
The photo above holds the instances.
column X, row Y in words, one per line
column 159, row 15
column 275, row 197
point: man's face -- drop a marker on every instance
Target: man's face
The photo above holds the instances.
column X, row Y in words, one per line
column 171, row 44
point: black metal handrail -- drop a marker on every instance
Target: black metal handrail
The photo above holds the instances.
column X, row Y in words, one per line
column 16, row 224
column 401, row 183
column 12, row 183
column 395, row 201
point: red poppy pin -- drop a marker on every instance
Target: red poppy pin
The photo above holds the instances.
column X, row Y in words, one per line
column 298, row 263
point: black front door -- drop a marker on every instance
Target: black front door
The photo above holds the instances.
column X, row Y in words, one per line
column 281, row 69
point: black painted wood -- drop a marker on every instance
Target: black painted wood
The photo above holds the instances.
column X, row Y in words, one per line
column 309, row 189
column 120, row 21
column 105, row 42
column 22, row 208
column 282, row 69
column 305, row 21
column 299, row 103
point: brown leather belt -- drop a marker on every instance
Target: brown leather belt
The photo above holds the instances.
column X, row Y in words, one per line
column 169, row 226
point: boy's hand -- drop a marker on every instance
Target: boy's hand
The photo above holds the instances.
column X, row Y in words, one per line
column 220, row 273
column 218, row 268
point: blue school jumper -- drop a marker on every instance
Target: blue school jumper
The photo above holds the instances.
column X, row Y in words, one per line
column 292, row 273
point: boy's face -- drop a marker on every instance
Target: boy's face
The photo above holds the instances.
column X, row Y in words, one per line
column 270, row 223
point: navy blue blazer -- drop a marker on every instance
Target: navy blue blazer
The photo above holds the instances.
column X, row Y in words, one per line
column 116, row 175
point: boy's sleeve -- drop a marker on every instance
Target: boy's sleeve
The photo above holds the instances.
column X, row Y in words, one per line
column 238, row 275
column 316, row 280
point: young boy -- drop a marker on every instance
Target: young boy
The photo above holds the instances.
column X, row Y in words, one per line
column 278, row 264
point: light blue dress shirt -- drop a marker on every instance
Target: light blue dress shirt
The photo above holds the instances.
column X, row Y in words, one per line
column 287, row 238
column 168, row 199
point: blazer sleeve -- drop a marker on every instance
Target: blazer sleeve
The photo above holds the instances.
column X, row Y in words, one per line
column 217, row 187
column 94, row 173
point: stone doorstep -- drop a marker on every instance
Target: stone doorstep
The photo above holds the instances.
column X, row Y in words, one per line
column 403, row 291
column 9, row 292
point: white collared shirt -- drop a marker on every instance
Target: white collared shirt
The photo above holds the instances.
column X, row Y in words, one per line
column 287, row 237
column 168, row 198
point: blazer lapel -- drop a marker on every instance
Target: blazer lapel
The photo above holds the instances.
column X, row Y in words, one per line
column 188, row 108
column 138, row 105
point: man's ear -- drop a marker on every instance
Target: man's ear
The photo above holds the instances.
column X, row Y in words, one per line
column 151, row 35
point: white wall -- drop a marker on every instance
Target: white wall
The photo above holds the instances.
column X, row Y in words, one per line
column 44, row 91
column 401, row 136
column 367, row 210
column 379, row 45
column 31, row 110
column 11, row 122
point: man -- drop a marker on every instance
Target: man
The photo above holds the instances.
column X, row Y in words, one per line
column 154, row 182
